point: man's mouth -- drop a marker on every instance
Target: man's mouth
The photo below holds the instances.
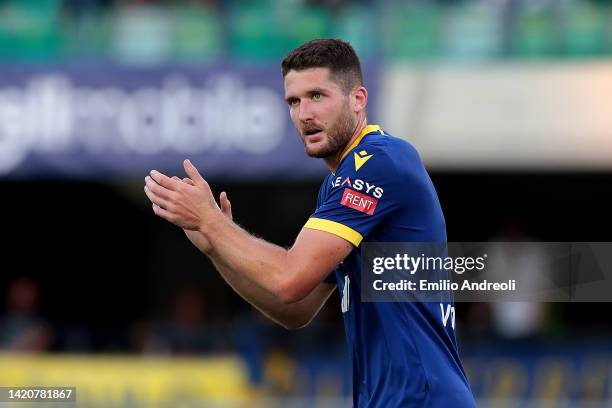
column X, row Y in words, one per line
column 312, row 132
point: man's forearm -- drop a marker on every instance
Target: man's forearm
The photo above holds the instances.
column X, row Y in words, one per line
column 291, row 316
column 263, row 264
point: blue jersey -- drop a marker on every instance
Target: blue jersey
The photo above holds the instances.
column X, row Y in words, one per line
column 404, row 353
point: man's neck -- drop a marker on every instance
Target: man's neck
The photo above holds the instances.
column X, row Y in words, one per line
column 333, row 161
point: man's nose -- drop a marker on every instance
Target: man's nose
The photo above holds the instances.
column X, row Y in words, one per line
column 305, row 111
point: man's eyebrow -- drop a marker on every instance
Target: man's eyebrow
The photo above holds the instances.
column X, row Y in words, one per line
column 317, row 90
column 308, row 92
column 314, row 90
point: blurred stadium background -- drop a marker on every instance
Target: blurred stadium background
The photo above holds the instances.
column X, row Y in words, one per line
column 509, row 102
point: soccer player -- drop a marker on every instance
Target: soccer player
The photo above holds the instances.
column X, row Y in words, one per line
column 404, row 353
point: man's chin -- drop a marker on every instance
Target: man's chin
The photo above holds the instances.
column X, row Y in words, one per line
column 317, row 155
column 318, row 152
column 322, row 149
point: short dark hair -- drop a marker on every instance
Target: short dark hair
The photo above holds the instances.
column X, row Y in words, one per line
column 337, row 55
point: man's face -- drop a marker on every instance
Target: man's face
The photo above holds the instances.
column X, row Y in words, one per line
column 320, row 111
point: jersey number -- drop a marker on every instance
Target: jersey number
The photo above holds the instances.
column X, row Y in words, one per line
column 345, row 294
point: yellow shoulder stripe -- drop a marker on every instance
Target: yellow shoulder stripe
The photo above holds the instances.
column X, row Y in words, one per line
column 365, row 131
column 335, row 228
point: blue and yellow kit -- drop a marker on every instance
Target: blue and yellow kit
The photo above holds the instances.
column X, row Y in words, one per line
column 404, row 353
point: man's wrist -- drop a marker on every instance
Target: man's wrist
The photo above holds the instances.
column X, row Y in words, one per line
column 209, row 226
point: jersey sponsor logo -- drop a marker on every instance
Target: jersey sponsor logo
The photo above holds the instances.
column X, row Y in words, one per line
column 359, row 185
column 361, row 158
column 358, row 201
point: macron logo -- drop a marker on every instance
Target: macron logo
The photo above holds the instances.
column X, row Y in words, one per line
column 361, row 158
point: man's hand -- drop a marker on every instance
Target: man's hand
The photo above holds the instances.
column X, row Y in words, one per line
column 187, row 205
column 197, row 238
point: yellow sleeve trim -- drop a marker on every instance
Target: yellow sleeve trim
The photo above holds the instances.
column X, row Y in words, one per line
column 335, row 228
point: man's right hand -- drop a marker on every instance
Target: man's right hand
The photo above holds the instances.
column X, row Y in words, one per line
column 197, row 238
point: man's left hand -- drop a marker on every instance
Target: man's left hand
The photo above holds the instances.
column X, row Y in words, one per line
column 183, row 204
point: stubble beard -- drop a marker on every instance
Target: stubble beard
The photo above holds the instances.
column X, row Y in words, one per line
column 338, row 136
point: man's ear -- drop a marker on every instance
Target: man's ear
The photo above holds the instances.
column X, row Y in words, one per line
column 359, row 98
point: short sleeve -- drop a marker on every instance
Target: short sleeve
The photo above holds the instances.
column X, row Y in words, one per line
column 360, row 196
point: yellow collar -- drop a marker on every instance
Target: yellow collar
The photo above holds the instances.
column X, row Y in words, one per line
column 365, row 131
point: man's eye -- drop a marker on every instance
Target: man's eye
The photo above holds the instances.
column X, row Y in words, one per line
column 316, row 96
column 294, row 102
